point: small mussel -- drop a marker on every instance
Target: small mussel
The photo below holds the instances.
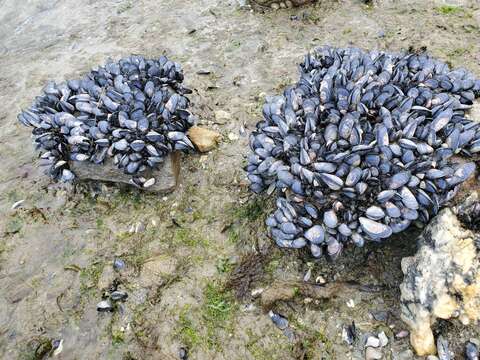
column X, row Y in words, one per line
column 105, row 306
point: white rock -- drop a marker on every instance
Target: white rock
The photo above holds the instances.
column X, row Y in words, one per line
column 373, row 354
column 372, row 341
column 446, row 263
column 257, row 292
column 232, row 137
column 383, row 339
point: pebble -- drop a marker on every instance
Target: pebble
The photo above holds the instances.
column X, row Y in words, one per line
column 383, row 339
column 372, row 341
column 373, row 354
column 233, row 137
column 351, row 303
column 257, row 292
column 275, row 6
column 402, row 334
column 204, row 139
column 320, row 280
column 406, row 355
column 432, row 357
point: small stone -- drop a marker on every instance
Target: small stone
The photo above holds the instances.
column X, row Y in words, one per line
column 383, row 339
column 373, row 354
column 351, row 303
column 283, row 5
column 372, row 341
column 289, row 4
column 257, row 292
column 401, row 334
column 406, row 355
column 275, row 6
column 320, row 280
column 203, row 139
column 432, row 357
column 232, row 137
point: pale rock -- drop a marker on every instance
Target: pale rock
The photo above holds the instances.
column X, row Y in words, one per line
column 441, row 281
column 232, row 137
column 372, row 341
column 203, row 139
column 373, row 354
column 383, row 339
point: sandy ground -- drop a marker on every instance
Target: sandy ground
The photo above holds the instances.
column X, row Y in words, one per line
column 57, row 249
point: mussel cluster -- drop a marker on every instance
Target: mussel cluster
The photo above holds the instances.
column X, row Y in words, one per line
column 133, row 110
column 362, row 146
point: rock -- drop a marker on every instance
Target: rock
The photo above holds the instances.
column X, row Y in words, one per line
column 383, row 339
column 431, row 357
column 405, row 355
column 232, row 137
column 401, row 334
column 373, row 354
column 203, row 139
column 166, row 176
column 441, row 281
column 372, row 341
column 275, row 6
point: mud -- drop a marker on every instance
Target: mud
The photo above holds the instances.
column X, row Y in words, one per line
column 57, row 248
